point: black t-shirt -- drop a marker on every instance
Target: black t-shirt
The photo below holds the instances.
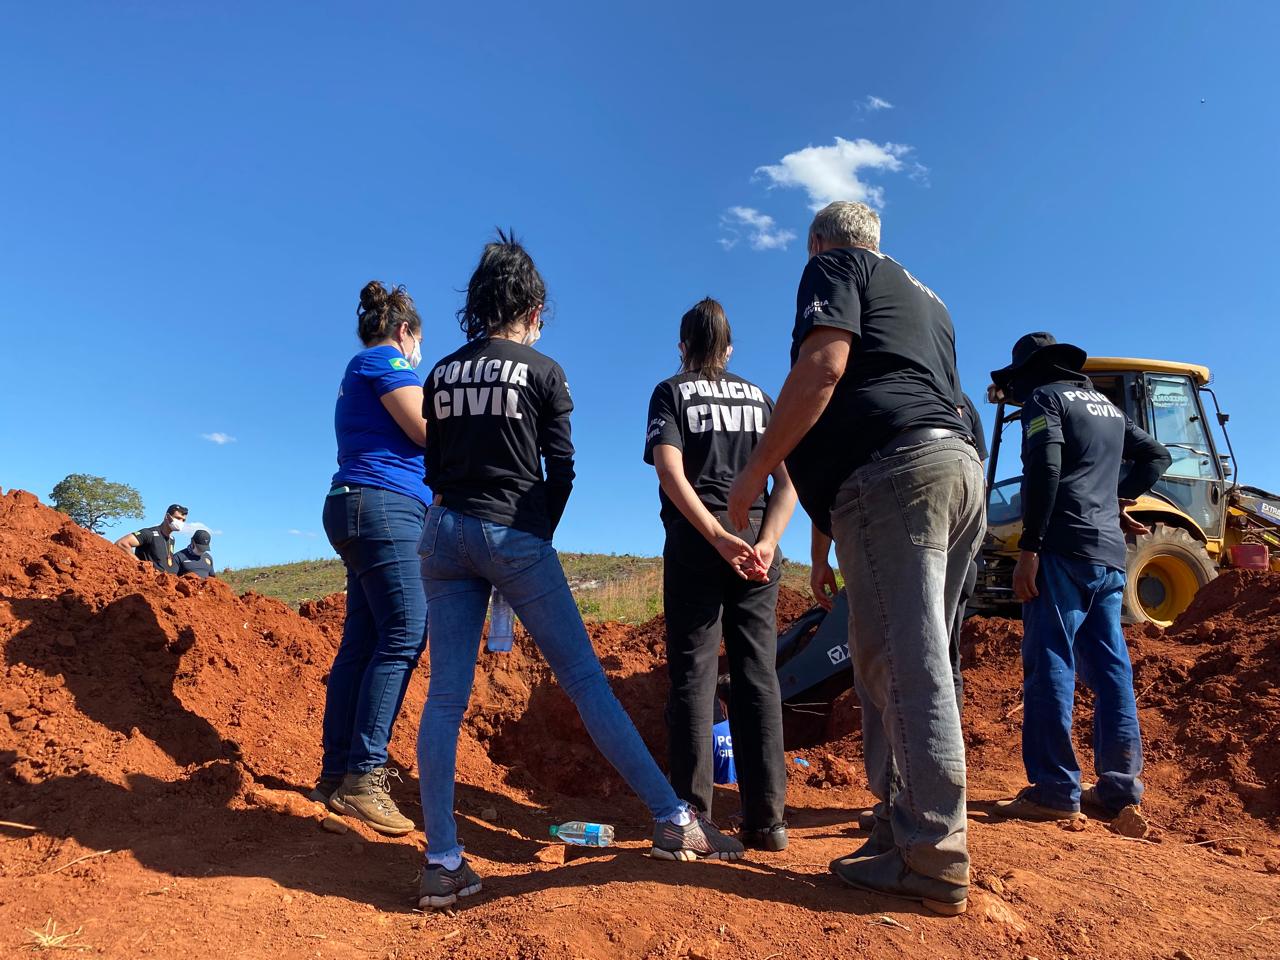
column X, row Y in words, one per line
column 973, row 423
column 495, row 410
column 1095, row 438
column 154, row 547
column 185, row 561
column 715, row 424
column 901, row 373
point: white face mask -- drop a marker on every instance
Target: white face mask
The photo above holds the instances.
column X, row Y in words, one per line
column 176, row 525
column 415, row 357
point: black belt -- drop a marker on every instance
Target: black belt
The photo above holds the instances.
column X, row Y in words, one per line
column 913, row 438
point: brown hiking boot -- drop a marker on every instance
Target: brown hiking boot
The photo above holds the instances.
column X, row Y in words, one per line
column 1022, row 807
column 366, row 797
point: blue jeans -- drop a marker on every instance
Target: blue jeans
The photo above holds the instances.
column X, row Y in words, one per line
column 376, row 533
column 1074, row 626
column 906, row 530
column 462, row 557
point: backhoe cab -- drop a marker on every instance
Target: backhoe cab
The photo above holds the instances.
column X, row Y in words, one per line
column 1196, row 511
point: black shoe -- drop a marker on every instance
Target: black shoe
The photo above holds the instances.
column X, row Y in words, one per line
column 889, row 875
column 772, row 839
column 325, row 787
column 697, row 840
column 442, row 888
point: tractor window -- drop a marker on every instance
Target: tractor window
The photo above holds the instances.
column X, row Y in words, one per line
column 1004, row 505
column 1176, row 422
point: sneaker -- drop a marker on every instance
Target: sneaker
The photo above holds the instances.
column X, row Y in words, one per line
column 697, row 840
column 1022, row 807
column 325, row 787
column 888, row 874
column 366, row 797
column 772, row 839
column 442, row 888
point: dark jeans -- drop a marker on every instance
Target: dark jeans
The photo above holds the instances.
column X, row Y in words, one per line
column 907, row 528
column 704, row 599
column 376, row 534
column 1074, row 627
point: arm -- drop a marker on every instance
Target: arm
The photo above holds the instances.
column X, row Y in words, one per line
column 821, row 362
column 669, row 462
column 822, row 579
column 782, row 503
column 405, row 406
column 555, row 441
column 128, row 543
column 1149, row 458
column 1042, row 443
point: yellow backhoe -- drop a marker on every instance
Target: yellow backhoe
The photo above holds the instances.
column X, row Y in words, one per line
column 1197, row 512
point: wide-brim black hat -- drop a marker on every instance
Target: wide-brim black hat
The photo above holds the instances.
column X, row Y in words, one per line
column 1038, row 349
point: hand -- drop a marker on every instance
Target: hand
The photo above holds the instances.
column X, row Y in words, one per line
column 822, row 581
column 1024, row 576
column 1127, row 523
column 766, row 551
column 744, row 492
column 737, row 553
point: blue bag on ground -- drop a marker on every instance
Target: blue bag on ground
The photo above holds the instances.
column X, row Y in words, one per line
column 725, row 772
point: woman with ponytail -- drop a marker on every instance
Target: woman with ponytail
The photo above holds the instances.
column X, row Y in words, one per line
column 373, row 516
column 718, row 581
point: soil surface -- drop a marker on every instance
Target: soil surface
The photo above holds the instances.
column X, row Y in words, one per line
column 157, row 737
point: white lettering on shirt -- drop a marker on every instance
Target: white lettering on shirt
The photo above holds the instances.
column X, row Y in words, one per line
column 494, row 401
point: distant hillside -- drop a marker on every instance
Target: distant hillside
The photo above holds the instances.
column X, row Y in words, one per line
column 606, row 586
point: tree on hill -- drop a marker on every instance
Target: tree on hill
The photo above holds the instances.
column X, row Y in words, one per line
column 91, row 501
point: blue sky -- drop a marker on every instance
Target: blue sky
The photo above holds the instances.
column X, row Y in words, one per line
column 191, row 198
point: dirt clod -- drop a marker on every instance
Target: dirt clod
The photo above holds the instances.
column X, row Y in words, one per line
column 1130, row 822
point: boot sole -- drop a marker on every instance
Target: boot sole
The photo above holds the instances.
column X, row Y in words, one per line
column 686, row 855
column 1044, row 815
column 942, row 907
column 336, row 804
column 448, row 901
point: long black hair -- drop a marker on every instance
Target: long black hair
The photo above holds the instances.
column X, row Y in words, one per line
column 706, row 336
column 504, row 289
column 381, row 311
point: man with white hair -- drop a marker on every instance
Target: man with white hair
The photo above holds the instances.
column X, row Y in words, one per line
column 883, row 464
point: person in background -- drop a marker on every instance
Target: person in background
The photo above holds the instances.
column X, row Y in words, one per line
column 373, row 517
column 155, row 544
column 1070, row 578
column 884, row 466
column 703, row 424
column 196, row 558
column 498, row 411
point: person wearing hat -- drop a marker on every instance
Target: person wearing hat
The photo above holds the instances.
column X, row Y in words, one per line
column 155, row 544
column 1070, row 578
column 196, row 558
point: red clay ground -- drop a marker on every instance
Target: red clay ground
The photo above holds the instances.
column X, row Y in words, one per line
column 155, row 735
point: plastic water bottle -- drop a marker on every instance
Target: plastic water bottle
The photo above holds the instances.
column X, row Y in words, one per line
column 501, row 624
column 582, row 834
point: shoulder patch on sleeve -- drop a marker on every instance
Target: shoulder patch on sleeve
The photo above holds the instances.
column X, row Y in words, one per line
column 1037, row 425
column 400, row 363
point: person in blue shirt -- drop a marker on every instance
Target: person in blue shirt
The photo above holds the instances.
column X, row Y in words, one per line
column 196, row 558
column 373, row 517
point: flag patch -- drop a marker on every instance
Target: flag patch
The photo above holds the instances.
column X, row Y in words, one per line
column 400, row 363
column 1038, row 425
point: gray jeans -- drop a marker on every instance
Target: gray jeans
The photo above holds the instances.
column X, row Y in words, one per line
column 906, row 530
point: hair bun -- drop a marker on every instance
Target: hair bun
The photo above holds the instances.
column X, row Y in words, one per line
column 373, row 296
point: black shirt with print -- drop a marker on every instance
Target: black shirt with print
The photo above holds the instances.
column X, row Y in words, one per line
column 496, row 411
column 157, row 549
column 715, row 423
column 1083, row 517
column 901, row 373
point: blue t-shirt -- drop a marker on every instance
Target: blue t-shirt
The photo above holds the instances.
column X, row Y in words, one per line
column 372, row 449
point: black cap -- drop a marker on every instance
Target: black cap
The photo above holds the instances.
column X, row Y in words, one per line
column 1039, row 348
column 201, row 537
column 176, row 508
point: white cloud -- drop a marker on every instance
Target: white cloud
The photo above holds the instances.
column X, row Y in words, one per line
column 219, row 438
column 761, row 229
column 191, row 526
column 833, row 172
column 301, row 533
column 877, row 103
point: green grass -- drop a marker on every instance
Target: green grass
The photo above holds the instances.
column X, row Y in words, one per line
column 607, row 586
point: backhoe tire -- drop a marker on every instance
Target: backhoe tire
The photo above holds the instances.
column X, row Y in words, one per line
column 1164, row 569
